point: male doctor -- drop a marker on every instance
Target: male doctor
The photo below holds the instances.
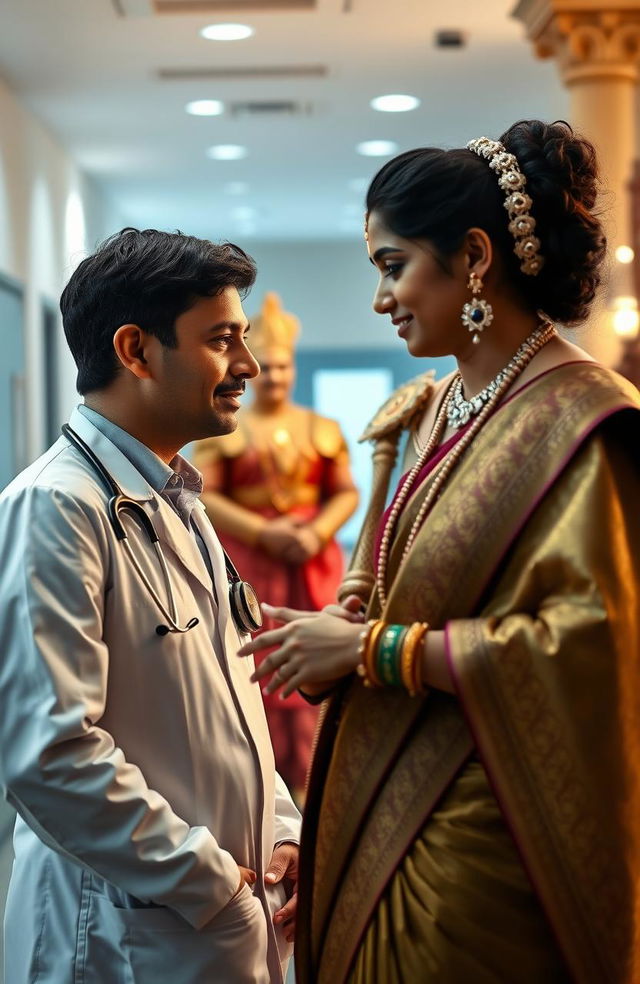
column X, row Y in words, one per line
column 154, row 841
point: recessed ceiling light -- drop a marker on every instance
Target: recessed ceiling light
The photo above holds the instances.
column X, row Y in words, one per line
column 226, row 32
column 205, row 107
column 377, row 148
column 227, row 152
column 236, row 188
column 395, row 103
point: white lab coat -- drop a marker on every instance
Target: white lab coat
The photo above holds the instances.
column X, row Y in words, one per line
column 140, row 765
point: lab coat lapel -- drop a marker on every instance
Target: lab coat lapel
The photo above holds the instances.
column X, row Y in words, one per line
column 180, row 541
column 230, row 636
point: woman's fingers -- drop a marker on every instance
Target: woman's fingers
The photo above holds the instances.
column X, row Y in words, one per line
column 285, row 614
column 263, row 641
column 309, row 651
column 339, row 612
column 353, row 603
column 271, row 664
column 293, row 683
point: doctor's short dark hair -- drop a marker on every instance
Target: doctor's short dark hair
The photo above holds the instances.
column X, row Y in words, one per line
column 147, row 278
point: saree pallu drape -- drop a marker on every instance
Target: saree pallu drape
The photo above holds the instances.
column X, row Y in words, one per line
column 530, row 562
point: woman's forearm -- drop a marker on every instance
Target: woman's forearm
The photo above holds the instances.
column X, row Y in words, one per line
column 435, row 667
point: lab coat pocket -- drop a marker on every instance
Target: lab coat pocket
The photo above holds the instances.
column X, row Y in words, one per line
column 156, row 946
column 103, row 945
column 117, row 941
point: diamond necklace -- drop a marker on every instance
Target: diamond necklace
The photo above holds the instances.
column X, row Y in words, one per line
column 530, row 347
column 460, row 411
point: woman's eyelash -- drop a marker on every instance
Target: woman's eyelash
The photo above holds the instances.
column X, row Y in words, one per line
column 392, row 268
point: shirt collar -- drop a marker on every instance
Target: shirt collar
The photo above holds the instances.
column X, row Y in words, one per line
column 153, row 469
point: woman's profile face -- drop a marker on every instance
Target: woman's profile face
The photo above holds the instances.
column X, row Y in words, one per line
column 423, row 300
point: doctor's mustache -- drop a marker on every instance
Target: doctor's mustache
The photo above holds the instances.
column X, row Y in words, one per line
column 224, row 389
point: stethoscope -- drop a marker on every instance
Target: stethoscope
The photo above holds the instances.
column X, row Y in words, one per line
column 243, row 600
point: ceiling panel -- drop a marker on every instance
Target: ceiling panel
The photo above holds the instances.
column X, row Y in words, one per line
column 111, row 78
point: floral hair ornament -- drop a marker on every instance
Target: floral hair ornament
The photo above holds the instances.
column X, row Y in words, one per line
column 517, row 203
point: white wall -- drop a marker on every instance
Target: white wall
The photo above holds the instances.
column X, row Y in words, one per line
column 328, row 285
column 50, row 214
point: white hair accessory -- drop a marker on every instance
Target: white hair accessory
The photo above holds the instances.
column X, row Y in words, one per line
column 517, row 203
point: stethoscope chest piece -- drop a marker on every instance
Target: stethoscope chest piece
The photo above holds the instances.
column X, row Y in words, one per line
column 245, row 606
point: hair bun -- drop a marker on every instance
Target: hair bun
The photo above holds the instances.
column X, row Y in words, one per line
column 562, row 180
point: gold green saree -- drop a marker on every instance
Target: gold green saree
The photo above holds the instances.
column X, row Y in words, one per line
column 493, row 836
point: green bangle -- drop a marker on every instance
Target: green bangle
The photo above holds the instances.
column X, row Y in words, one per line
column 388, row 654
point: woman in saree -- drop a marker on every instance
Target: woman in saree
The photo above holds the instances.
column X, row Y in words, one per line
column 473, row 812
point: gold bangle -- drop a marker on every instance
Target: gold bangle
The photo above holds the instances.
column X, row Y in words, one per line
column 361, row 669
column 418, row 683
column 370, row 655
column 406, row 658
column 365, row 665
column 410, row 660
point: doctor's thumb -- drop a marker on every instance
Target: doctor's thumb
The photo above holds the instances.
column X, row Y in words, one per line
column 277, row 869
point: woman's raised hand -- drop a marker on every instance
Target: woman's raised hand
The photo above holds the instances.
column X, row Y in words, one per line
column 312, row 648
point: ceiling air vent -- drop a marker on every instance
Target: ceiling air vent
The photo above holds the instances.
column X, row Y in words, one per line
column 238, row 72
column 270, row 107
column 227, row 6
column 151, row 8
column 449, row 38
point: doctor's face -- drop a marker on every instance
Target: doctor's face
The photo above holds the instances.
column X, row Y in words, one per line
column 202, row 379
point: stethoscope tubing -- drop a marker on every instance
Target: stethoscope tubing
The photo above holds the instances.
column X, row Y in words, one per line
column 119, row 503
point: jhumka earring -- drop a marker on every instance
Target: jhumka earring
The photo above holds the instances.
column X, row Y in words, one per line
column 477, row 314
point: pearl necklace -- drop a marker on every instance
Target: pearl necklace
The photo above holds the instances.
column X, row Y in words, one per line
column 530, row 347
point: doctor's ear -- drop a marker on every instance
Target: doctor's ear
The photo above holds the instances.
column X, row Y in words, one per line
column 130, row 343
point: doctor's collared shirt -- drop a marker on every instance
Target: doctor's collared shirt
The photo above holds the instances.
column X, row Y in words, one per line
column 179, row 483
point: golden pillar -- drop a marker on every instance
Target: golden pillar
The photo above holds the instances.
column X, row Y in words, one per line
column 597, row 47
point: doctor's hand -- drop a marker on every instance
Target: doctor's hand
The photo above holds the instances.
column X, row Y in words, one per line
column 313, row 650
column 247, row 877
column 284, row 867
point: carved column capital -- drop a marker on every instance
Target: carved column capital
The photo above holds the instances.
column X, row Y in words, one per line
column 589, row 40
